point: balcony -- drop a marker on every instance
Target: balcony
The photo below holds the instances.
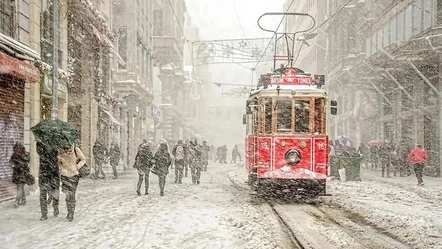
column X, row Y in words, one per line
column 128, row 84
column 167, row 50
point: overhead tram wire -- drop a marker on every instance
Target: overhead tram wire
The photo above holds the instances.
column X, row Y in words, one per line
column 239, row 21
column 185, row 38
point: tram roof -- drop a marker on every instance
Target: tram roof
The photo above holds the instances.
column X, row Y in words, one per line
column 287, row 91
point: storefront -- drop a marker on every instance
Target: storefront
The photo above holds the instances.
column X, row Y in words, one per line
column 14, row 114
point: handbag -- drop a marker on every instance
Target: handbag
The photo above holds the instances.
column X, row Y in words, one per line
column 84, row 171
column 29, row 178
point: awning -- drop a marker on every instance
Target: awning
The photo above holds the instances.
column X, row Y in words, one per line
column 113, row 119
column 18, row 68
column 104, row 40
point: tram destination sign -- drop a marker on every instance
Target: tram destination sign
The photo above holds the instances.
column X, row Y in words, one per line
column 290, row 78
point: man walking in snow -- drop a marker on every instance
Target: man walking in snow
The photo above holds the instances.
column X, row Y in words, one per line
column 418, row 157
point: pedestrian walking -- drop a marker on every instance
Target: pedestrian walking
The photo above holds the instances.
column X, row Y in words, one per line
column 374, row 156
column 418, row 157
column 19, row 162
column 224, row 154
column 48, row 179
column 195, row 156
column 70, row 160
column 114, row 158
column 178, row 154
column 186, row 157
column 363, row 152
column 385, row 156
column 219, row 154
column 205, row 155
column 100, row 153
column 162, row 163
column 235, row 154
column 143, row 163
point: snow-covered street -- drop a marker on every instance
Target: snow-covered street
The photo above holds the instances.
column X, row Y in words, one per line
column 110, row 215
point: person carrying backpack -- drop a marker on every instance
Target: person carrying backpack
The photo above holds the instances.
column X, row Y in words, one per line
column 180, row 160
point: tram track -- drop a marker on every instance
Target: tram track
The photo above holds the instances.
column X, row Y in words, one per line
column 293, row 217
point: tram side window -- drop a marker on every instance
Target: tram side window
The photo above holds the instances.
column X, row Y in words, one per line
column 268, row 115
column 319, row 116
column 284, row 116
column 302, row 116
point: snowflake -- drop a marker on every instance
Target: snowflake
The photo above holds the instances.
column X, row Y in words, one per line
column 227, row 50
column 256, row 53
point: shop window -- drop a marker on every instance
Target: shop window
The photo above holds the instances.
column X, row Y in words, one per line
column 284, row 115
column 302, row 116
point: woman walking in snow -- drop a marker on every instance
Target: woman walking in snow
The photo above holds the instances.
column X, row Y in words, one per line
column 20, row 164
column 162, row 164
column 143, row 163
column 70, row 160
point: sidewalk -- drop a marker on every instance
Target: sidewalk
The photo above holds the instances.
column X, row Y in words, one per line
column 432, row 189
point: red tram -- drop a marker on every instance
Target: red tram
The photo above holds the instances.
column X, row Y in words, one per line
column 286, row 141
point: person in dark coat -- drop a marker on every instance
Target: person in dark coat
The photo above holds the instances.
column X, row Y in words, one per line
column 162, row 164
column 219, row 154
column 186, row 159
column 179, row 155
column 114, row 158
column 363, row 152
column 143, row 163
column 100, row 153
column 205, row 155
column 20, row 166
column 385, row 158
column 235, row 153
column 224, row 155
column 195, row 156
column 48, row 178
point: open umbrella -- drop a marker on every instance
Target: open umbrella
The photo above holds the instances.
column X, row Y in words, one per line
column 55, row 132
column 373, row 142
column 345, row 141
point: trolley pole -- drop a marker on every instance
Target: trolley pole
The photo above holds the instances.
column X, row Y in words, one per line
column 54, row 114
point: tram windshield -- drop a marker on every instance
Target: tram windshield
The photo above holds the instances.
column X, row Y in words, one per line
column 288, row 115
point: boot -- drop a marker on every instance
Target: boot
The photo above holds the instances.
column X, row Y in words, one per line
column 71, row 209
column 138, row 192
column 44, row 217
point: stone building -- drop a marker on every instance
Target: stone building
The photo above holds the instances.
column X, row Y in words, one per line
column 132, row 76
column 383, row 67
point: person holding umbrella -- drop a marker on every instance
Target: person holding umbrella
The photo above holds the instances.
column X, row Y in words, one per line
column 70, row 160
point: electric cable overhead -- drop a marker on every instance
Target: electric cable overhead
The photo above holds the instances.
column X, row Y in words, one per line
column 185, row 38
column 239, row 21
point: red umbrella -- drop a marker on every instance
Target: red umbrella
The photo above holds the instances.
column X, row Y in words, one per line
column 372, row 142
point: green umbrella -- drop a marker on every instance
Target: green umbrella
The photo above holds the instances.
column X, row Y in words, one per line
column 55, row 132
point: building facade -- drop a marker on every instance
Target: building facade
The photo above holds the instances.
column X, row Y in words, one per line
column 168, row 42
column 383, row 67
column 132, row 76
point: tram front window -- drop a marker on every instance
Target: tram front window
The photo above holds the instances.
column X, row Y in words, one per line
column 302, row 116
column 284, row 118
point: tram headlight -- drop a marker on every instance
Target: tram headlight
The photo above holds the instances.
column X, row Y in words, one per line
column 293, row 157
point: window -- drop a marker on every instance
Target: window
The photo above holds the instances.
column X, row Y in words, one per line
column 122, row 45
column 319, row 116
column 393, row 25
column 158, row 18
column 284, row 115
column 417, row 17
column 373, row 44
column 427, row 6
column 386, row 35
column 7, row 17
column 268, row 116
column 408, row 22
column 379, row 40
column 368, row 47
column 302, row 116
column 401, row 27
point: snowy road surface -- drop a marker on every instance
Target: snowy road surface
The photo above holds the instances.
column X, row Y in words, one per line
column 110, row 215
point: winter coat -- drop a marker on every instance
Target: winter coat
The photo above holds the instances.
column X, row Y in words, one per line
column 49, row 170
column 114, row 154
column 143, row 159
column 99, row 151
column 235, row 152
column 20, row 164
column 205, row 151
column 417, row 155
column 162, row 162
column 67, row 161
column 195, row 155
